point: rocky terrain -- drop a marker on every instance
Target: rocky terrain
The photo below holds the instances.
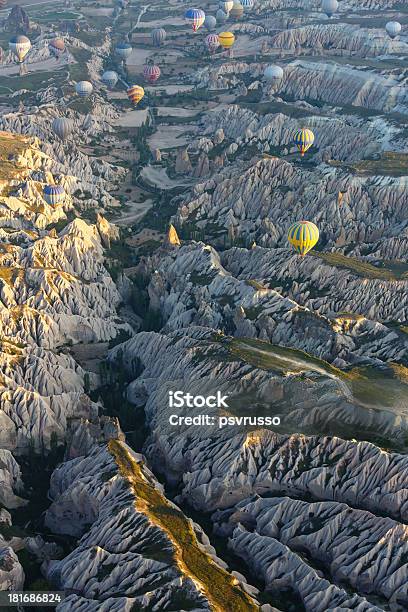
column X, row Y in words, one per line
column 165, row 268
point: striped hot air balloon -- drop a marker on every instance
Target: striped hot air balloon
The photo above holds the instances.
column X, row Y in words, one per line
column 123, row 49
column 62, row 127
column 303, row 139
column 196, row 17
column 53, row 194
column 158, row 36
column 247, row 4
column 110, row 78
column 226, row 6
column 226, row 39
column 20, row 46
column 303, row 235
column 57, row 46
column 84, row 89
column 237, row 10
column 151, row 73
column 135, row 93
column 213, row 42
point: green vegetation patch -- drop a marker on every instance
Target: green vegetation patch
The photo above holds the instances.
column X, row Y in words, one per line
column 362, row 268
column 389, row 164
column 269, row 356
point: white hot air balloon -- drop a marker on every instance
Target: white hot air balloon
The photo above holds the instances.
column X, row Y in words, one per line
column 84, row 89
column 330, row 7
column 110, row 78
column 393, row 28
column 273, row 74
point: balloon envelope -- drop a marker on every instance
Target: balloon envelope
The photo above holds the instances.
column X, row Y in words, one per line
column 330, row 7
column 151, row 73
column 273, row 73
column 221, row 16
column 213, row 42
column 62, row 127
column 84, row 88
column 57, row 45
column 196, row 17
column 247, row 4
column 53, row 194
column 237, row 10
column 158, row 36
column 123, row 49
column 110, row 78
column 226, row 39
column 210, row 23
column 393, row 28
column 20, row 46
column 303, row 139
column 135, row 93
column 226, row 6
column 303, row 235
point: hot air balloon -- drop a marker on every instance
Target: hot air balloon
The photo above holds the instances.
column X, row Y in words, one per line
column 212, row 41
column 247, row 4
column 237, row 10
column 196, row 17
column 123, row 49
column 84, row 89
column 330, row 7
column 210, row 23
column 151, row 73
column 135, row 93
column 393, row 28
column 158, row 36
column 273, row 73
column 110, row 78
column 53, row 194
column 303, row 235
column 62, row 127
column 226, row 6
column 57, row 46
column 226, row 39
column 20, row 46
column 303, row 139
column 221, row 16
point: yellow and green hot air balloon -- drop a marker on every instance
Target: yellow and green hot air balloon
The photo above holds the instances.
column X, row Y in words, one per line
column 303, row 139
column 303, row 235
column 226, row 39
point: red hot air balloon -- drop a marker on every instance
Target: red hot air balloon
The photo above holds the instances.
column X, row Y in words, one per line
column 151, row 73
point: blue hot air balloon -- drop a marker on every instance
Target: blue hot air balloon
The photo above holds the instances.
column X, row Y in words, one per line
column 196, row 17
column 53, row 194
column 123, row 49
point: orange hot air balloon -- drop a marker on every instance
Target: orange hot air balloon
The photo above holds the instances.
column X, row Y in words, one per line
column 135, row 93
